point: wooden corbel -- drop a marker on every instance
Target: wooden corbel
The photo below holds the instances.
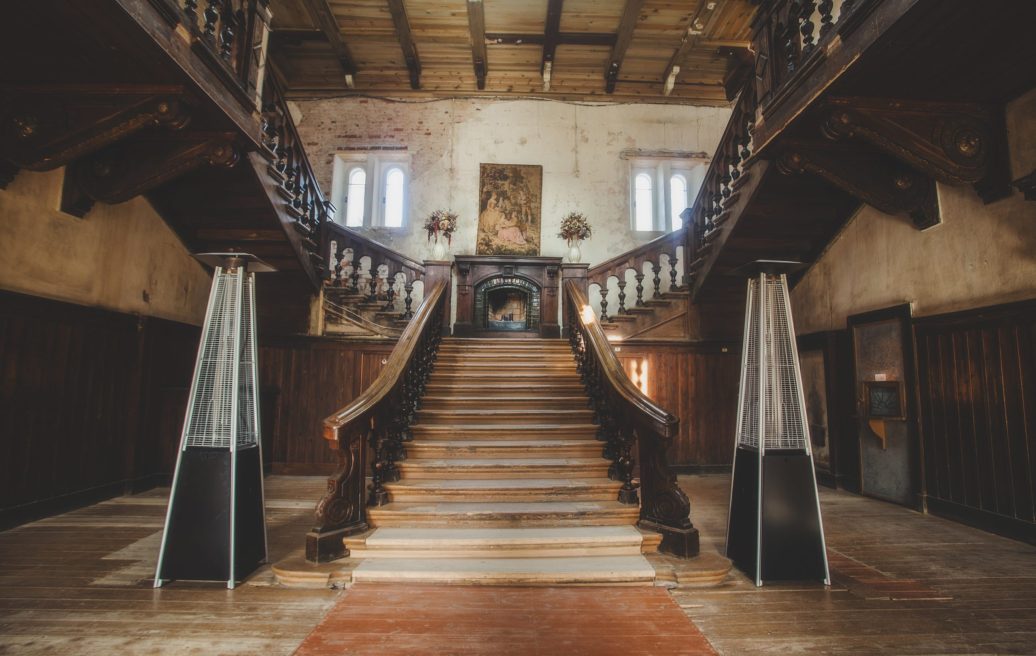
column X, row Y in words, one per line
column 135, row 167
column 952, row 142
column 872, row 177
column 44, row 127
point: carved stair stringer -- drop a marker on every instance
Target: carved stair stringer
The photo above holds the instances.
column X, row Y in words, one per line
column 129, row 169
column 340, row 513
column 872, row 177
column 45, row 127
column 951, row 142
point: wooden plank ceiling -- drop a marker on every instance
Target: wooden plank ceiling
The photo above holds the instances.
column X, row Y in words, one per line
column 688, row 51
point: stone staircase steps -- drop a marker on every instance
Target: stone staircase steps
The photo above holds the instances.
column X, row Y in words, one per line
column 497, row 542
column 487, row 416
column 443, row 400
column 503, row 514
column 611, row 570
column 544, row 448
column 506, row 490
column 502, row 388
column 497, row 376
column 453, row 468
column 497, row 432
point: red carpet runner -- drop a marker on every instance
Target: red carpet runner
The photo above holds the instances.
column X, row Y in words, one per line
column 411, row 620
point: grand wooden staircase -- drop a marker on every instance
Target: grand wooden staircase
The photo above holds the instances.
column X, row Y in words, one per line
column 504, row 481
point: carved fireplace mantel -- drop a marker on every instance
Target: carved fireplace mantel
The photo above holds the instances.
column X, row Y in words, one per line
column 533, row 281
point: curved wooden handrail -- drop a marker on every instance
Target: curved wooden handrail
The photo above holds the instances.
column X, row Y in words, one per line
column 663, row 422
column 629, row 421
column 369, row 244
column 666, row 243
column 389, row 377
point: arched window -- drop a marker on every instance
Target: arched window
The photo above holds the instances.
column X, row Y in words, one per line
column 643, row 202
column 678, row 199
column 394, row 183
column 355, row 197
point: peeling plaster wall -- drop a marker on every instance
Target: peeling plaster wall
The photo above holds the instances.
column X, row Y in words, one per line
column 113, row 258
column 578, row 146
column 979, row 255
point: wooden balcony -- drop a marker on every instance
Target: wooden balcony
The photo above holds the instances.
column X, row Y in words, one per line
column 863, row 101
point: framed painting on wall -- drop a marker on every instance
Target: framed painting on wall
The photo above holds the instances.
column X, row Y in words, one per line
column 510, row 197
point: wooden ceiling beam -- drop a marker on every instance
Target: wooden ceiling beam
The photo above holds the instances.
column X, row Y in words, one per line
column 564, row 39
column 322, row 16
column 477, row 30
column 550, row 39
column 406, row 41
column 630, row 14
column 699, row 25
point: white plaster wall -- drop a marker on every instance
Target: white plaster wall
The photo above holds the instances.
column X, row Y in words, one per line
column 112, row 258
column 980, row 255
column 578, row 146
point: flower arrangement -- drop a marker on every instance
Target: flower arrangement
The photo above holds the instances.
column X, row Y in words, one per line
column 574, row 226
column 441, row 222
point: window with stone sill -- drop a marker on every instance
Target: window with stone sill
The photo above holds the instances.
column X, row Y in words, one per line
column 660, row 189
column 370, row 189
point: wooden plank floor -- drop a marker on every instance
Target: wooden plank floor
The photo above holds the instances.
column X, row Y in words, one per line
column 905, row 583
column 413, row 620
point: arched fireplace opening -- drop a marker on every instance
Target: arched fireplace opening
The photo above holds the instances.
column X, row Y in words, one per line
column 507, row 304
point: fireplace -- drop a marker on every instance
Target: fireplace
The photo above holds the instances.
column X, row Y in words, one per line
column 507, row 304
column 507, row 296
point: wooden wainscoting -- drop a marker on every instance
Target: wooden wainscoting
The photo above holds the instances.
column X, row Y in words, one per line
column 977, row 380
column 92, row 403
column 304, row 380
column 697, row 382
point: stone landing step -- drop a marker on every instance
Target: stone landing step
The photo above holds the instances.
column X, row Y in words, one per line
column 634, row 570
column 505, row 489
column 493, row 415
column 503, row 514
column 545, row 448
column 517, row 468
column 445, row 401
column 504, row 431
column 485, row 543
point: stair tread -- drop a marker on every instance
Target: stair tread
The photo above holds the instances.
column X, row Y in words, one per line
column 501, row 427
column 522, row 412
column 504, row 462
column 482, row 399
column 582, row 568
column 424, row 538
column 504, row 483
column 447, row 508
column 517, row 444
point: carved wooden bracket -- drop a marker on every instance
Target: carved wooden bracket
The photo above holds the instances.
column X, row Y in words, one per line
column 872, row 177
column 135, row 167
column 47, row 127
column 952, row 142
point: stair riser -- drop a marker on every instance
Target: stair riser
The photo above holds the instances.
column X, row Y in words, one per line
column 508, row 496
column 414, row 470
column 531, row 450
column 421, row 432
column 432, row 417
column 452, row 578
column 385, row 518
column 478, row 368
column 498, row 552
column 504, row 403
column 518, row 381
column 499, row 389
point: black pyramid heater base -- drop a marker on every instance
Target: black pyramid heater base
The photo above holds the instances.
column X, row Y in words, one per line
column 198, row 544
column 790, row 518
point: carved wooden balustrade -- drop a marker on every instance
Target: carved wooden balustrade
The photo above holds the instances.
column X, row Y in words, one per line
column 727, row 172
column 289, row 165
column 610, row 275
column 629, row 423
column 376, row 423
column 230, row 35
column 387, row 276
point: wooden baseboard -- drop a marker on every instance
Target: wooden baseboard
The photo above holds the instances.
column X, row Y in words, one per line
column 700, row 469
column 1009, row 527
column 30, row 512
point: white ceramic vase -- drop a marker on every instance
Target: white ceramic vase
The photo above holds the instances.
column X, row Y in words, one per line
column 574, row 254
column 439, row 249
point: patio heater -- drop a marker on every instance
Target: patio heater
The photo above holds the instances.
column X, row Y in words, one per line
column 215, row 526
column 774, row 528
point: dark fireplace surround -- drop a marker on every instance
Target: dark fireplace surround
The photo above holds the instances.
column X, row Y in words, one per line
column 507, row 283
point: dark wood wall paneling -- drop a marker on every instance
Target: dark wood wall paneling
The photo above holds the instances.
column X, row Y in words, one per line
column 92, row 402
column 698, row 383
column 304, row 380
column 977, row 390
